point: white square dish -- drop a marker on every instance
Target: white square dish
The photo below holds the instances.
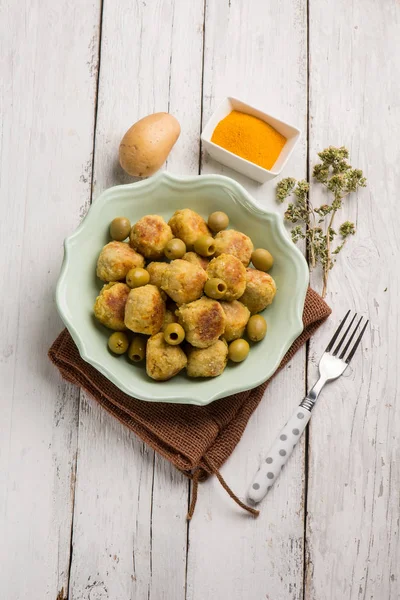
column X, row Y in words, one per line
column 233, row 161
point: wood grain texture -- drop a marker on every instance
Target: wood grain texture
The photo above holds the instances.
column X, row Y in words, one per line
column 353, row 495
column 231, row 555
column 48, row 57
column 126, row 521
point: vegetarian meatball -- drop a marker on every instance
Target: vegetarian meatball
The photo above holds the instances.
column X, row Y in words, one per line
column 144, row 310
column 229, row 268
column 162, row 360
column 237, row 316
column 183, row 282
column 203, row 321
column 169, row 318
column 109, row 307
column 236, row 243
column 115, row 260
column 207, row 362
column 187, row 225
column 260, row 290
column 196, row 259
column 156, row 270
column 150, row 235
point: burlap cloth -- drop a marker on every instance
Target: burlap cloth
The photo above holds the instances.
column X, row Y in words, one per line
column 196, row 439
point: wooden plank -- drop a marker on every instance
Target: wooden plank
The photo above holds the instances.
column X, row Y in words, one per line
column 131, row 505
column 256, row 51
column 353, row 500
column 48, row 73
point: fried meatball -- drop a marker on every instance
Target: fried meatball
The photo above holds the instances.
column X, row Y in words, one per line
column 260, row 290
column 144, row 310
column 196, row 259
column 156, row 270
column 207, row 362
column 150, row 235
column 203, row 321
column 236, row 243
column 237, row 316
column 183, row 282
column 162, row 360
column 187, row 225
column 231, row 270
column 169, row 318
column 109, row 307
column 115, row 260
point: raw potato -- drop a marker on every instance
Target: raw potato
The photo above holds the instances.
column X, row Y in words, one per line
column 146, row 145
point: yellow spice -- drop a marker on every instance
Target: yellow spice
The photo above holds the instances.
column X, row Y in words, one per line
column 250, row 138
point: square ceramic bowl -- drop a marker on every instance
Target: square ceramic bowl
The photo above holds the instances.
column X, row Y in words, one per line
column 163, row 194
column 242, row 165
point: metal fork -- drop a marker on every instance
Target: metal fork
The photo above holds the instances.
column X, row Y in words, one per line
column 331, row 366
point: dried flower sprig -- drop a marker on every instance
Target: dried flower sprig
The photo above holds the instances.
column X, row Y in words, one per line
column 315, row 225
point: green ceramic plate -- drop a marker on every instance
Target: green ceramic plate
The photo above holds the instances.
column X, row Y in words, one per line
column 78, row 286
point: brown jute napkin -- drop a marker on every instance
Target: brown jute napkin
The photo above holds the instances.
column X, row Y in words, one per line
column 196, row 439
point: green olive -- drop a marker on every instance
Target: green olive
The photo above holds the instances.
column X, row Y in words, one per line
column 120, row 228
column 262, row 259
column 175, row 248
column 205, row 245
column 238, row 350
column 218, row 221
column 137, row 348
column 174, row 334
column 215, row 288
column 137, row 277
column 118, row 342
column 256, row 328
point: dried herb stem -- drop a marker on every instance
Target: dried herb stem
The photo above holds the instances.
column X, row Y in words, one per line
column 315, row 225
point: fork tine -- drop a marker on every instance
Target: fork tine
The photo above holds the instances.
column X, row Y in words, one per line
column 350, row 340
column 335, row 335
column 356, row 343
column 344, row 336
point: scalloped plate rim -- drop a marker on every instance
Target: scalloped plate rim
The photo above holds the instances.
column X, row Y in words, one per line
column 249, row 204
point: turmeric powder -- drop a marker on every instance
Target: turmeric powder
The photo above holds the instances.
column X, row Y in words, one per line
column 250, row 138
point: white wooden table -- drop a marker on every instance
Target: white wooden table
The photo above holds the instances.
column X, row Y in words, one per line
column 87, row 512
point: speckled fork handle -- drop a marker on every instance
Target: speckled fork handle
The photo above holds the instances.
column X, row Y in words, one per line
column 331, row 366
column 279, row 454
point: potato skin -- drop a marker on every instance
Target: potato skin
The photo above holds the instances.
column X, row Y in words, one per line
column 260, row 290
column 145, row 310
column 207, row 362
column 237, row 316
column 183, row 282
column 150, row 235
column 188, row 225
column 162, row 360
column 236, row 243
column 146, row 145
column 109, row 307
column 115, row 260
column 203, row 321
column 231, row 270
